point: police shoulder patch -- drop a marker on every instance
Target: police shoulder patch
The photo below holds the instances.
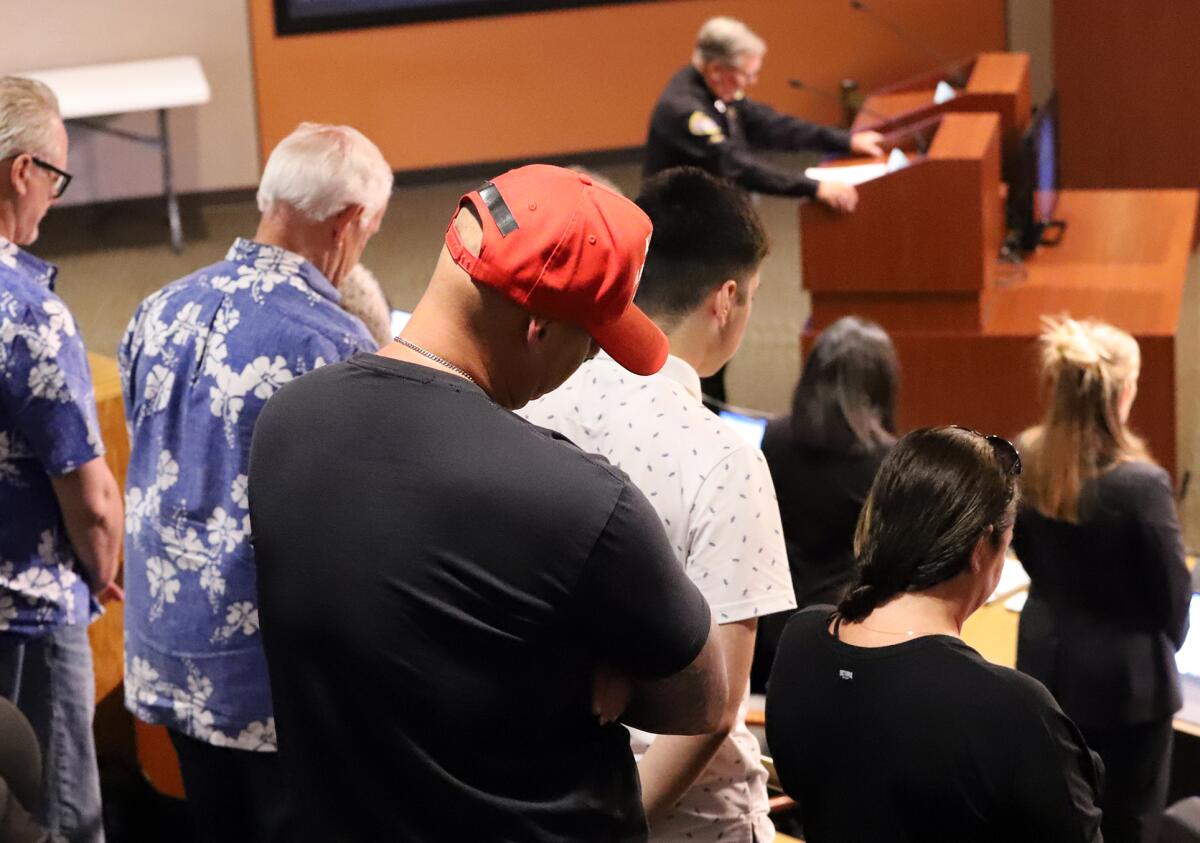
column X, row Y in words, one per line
column 701, row 125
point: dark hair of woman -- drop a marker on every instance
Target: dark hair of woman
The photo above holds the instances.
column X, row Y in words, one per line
column 937, row 492
column 846, row 399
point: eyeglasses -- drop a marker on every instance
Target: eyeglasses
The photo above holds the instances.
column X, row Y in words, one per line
column 1006, row 453
column 61, row 177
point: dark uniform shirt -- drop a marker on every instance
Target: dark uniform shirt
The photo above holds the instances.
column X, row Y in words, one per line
column 690, row 126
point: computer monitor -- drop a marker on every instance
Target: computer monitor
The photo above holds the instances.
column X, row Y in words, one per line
column 399, row 320
column 749, row 426
column 1188, row 657
column 1033, row 181
column 294, row 17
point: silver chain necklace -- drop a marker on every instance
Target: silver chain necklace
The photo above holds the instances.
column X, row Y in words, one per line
column 443, row 361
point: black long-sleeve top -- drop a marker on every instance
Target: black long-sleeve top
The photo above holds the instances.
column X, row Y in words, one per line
column 820, row 494
column 689, row 126
column 1108, row 603
column 923, row 740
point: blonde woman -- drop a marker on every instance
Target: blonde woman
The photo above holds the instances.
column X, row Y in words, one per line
column 1099, row 534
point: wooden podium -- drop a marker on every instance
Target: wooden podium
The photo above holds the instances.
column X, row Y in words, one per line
column 921, row 257
column 920, row 250
column 995, row 83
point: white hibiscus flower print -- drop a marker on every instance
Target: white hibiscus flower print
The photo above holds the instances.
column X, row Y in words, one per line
column 157, row 391
column 60, row 318
column 265, row 375
column 239, row 491
column 46, row 380
column 258, row 737
column 168, row 471
column 142, row 679
column 224, row 528
column 8, row 253
column 160, row 574
column 8, row 610
column 241, row 616
column 212, row 581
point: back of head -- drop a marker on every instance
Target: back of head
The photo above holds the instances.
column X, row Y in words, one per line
column 319, row 170
column 846, row 398
column 1087, row 368
column 724, row 40
column 705, row 232
column 28, row 113
column 938, row 491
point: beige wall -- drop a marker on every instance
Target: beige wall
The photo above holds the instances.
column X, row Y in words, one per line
column 1030, row 30
column 215, row 145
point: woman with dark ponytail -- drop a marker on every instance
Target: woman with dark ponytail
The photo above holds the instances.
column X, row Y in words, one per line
column 884, row 725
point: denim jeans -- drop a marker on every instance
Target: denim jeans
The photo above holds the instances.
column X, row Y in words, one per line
column 50, row 679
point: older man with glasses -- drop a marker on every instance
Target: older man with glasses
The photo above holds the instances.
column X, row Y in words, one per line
column 705, row 119
column 60, row 508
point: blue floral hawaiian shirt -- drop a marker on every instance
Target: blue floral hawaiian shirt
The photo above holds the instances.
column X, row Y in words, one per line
column 198, row 361
column 47, row 428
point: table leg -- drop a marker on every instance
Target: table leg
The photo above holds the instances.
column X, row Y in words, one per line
column 169, row 184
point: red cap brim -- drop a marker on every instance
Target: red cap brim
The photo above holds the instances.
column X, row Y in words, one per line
column 634, row 341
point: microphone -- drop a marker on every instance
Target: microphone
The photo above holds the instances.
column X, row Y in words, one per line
column 918, row 44
column 914, row 131
column 825, row 93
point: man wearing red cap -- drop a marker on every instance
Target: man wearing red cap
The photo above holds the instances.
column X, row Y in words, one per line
column 444, row 588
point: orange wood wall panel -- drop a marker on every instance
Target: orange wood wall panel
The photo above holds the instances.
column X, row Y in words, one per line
column 990, row 383
column 1128, row 77
column 516, row 86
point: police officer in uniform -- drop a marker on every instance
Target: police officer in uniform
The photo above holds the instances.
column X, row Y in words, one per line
column 704, row 119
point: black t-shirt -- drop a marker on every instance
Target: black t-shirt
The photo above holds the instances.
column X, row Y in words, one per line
column 923, row 741
column 438, row 579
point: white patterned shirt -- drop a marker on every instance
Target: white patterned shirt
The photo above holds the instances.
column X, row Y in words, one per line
column 715, row 497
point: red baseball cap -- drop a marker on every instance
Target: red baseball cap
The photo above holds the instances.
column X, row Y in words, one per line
column 566, row 249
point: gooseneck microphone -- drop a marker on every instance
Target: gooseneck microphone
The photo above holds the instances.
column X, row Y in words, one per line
column 919, row 44
column 825, row 93
column 916, row 132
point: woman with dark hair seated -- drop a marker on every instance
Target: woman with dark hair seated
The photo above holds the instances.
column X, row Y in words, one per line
column 1099, row 536
column 884, row 725
column 823, row 458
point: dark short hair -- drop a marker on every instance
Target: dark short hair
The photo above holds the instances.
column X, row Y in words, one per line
column 938, row 491
column 846, row 398
column 705, row 233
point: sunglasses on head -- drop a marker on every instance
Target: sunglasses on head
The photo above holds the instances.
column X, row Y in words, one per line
column 1006, row 452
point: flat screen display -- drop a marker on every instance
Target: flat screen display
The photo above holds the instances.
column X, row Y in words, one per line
column 1188, row 657
column 399, row 320
column 1045, row 190
column 293, row 17
column 1033, row 179
column 750, row 428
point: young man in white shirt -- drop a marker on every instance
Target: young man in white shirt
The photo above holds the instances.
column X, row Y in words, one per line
column 711, row 489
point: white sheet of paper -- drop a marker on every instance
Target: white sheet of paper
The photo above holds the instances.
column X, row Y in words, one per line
column 897, row 160
column 1013, row 579
column 854, row 174
column 1017, row 602
column 944, row 92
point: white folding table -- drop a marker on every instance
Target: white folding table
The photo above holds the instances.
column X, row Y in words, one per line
column 89, row 92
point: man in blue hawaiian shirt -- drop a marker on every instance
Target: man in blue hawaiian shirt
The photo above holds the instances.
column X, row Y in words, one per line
column 60, row 508
column 198, row 361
